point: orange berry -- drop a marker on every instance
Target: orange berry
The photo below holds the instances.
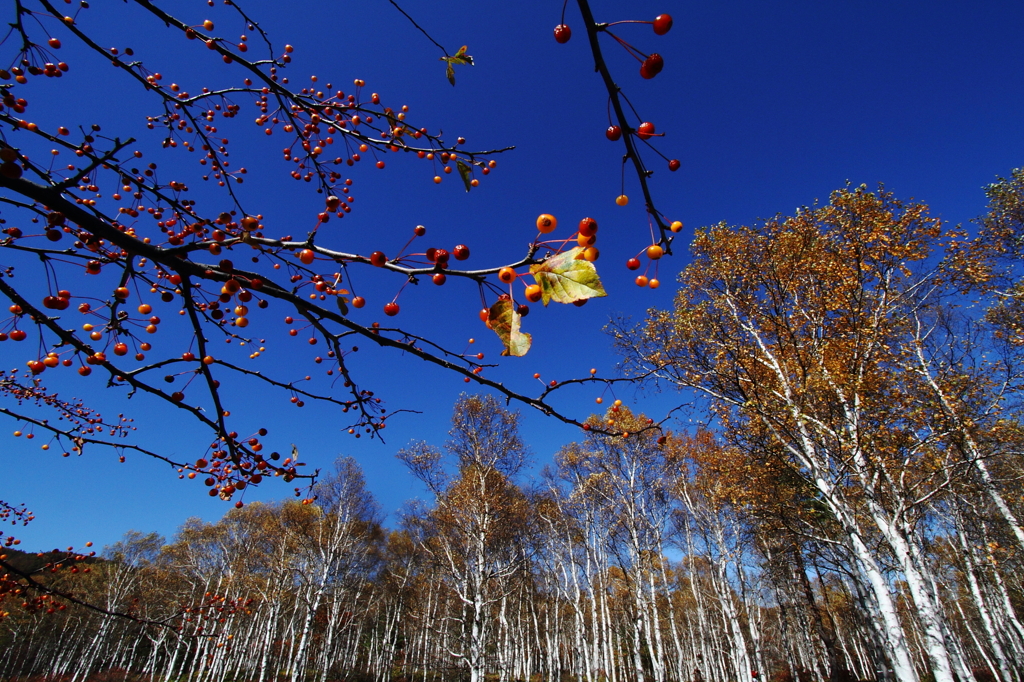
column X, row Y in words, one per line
column 546, row 223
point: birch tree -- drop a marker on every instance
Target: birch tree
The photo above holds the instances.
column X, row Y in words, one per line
column 793, row 329
column 474, row 534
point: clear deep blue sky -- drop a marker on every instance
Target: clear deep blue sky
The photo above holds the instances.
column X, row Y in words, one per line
column 768, row 105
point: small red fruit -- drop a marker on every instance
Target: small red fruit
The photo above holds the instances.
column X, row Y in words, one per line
column 439, row 278
column 358, row 302
column 11, row 170
column 507, row 275
column 546, row 223
column 391, row 309
column 306, row 256
column 613, row 133
column 673, row 165
column 652, row 66
column 633, row 264
column 646, row 130
column 378, row 259
column 562, row 33
column 461, row 252
column 588, row 227
column 662, row 24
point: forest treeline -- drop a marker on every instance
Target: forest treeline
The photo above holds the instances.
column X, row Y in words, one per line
column 851, row 511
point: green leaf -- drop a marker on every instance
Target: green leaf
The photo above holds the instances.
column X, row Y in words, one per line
column 465, row 171
column 567, row 277
column 459, row 57
column 504, row 320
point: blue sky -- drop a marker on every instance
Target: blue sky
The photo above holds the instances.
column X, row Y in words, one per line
column 769, row 106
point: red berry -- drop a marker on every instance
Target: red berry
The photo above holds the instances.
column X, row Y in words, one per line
column 646, row 130
column 439, row 278
column 391, row 309
column 652, row 66
column 306, row 256
column 461, row 252
column 673, row 165
column 378, row 259
column 613, row 133
column 11, row 170
column 562, row 33
column 662, row 24
column 633, row 263
column 358, row 302
column 419, row 230
column 507, row 275
column 588, row 227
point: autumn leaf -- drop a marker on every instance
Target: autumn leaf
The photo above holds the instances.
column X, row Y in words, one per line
column 465, row 172
column 567, row 277
column 504, row 320
column 459, row 57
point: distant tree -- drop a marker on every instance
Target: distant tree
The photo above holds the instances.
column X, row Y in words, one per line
column 476, row 535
